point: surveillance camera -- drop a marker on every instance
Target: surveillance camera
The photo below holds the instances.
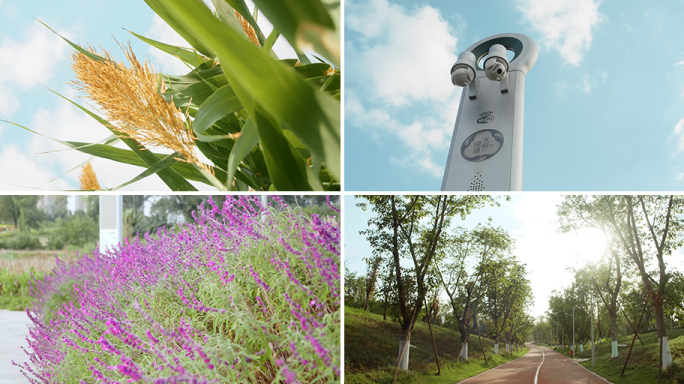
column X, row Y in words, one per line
column 463, row 71
column 496, row 65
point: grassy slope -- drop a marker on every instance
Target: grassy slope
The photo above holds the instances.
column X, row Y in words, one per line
column 643, row 363
column 372, row 346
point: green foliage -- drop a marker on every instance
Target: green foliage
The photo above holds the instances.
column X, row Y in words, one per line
column 22, row 211
column 15, row 289
column 20, row 241
column 74, row 230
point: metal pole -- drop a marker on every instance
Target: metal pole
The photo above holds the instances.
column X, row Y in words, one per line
column 574, row 351
column 592, row 335
column 111, row 221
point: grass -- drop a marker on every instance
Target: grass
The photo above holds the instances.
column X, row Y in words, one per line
column 372, row 346
column 643, row 362
column 15, row 271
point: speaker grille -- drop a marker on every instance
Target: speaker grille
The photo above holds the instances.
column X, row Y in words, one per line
column 477, row 184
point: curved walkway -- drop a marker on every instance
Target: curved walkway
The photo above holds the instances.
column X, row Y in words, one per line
column 13, row 332
column 539, row 366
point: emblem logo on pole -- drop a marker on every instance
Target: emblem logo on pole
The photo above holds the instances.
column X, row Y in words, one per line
column 485, row 117
column 482, row 145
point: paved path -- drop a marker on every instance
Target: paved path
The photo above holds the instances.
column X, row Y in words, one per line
column 539, row 366
column 13, row 332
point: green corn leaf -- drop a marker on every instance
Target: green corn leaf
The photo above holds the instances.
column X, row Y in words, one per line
column 187, row 35
column 187, row 56
column 157, row 167
column 312, row 115
column 75, row 46
column 215, row 107
column 243, row 146
column 242, row 9
column 285, row 165
column 129, row 157
column 305, row 24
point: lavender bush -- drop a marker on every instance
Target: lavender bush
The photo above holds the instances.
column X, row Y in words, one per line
column 245, row 294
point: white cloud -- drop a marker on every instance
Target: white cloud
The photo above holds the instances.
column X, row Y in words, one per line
column 402, row 88
column 19, row 171
column 404, row 55
column 680, row 176
column 678, row 64
column 25, row 63
column 565, row 25
column 679, row 131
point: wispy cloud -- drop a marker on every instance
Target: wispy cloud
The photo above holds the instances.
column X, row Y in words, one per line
column 679, row 132
column 25, row 63
column 565, row 25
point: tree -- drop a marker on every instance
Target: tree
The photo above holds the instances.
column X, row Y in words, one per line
column 606, row 278
column 469, row 254
column 9, row 212
column 649, row 228
column 412, row 226
column 372, row 269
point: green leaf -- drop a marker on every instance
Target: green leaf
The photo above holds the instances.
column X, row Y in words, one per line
column 305, row 24
column 313, row 115
column 243, row 145
column 187, row 35
column 186, row 55
column 129, row 157
column 157, row 167
column 75, row 46
column 285, row 165
column 218, row 105
column 227, row 16
column 242, row 9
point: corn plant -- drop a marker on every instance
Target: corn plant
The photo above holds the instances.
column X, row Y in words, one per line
column 240, row 118
column 245, row 294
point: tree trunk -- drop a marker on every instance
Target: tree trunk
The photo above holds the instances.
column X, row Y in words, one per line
column 666, row 357
column 404, row 350
column 613, row 333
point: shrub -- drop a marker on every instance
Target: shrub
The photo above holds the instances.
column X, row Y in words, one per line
column 20, row 241
column 245, row 294
column 14, row 289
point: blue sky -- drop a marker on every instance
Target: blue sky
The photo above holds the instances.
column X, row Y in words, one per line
column 31, row 57
column 530, row 219
column 604, row 104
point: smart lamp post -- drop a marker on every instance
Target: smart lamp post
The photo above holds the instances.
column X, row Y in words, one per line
column 111, row 221
column 487, row 144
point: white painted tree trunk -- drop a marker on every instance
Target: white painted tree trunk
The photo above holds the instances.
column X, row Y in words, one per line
column 614, row 351
column 404, row 358
column 464, row 351
column 667, row 356
column 496, row 348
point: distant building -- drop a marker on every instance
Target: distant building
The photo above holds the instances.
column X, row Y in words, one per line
column 79, row 203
